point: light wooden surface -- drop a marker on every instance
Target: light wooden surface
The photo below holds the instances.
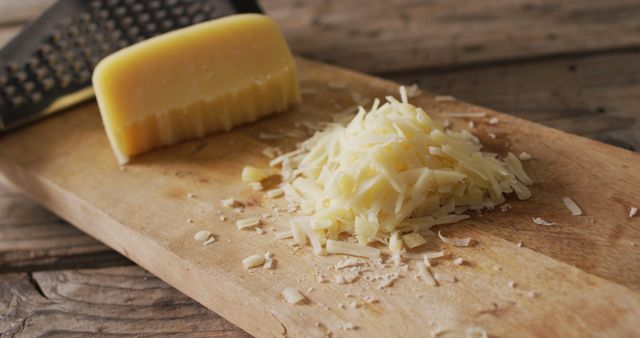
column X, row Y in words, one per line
column 65, row 164
column 587, row 49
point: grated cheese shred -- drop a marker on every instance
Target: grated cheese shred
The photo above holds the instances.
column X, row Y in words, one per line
column 572, row 206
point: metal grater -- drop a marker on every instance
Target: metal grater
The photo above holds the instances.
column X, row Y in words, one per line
column 48, row 66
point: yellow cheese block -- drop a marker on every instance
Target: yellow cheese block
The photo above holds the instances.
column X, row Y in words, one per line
column 194, row 81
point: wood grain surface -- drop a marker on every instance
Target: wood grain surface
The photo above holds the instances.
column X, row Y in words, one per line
column 65, row 164
column 123, row 301
column 495, row 56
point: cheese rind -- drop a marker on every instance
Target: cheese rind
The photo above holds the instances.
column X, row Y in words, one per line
column 194, row 81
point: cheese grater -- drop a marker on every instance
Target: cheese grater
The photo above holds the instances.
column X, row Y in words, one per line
column 48, row 66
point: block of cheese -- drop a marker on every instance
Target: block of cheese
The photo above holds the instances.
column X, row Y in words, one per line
column 194, row 81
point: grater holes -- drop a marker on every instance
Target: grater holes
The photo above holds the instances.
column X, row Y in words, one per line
column 41, row 72
column 183, row 21
column 72, row 32
column 65, row 80
column 150, row 27
column 84, row 76
column 77, row 66
column 12, row 67
column 126, row 21
column 17, row 101
column 35, row 97
column 116, row 35
column 85, row 17
column 138, row 7
column 160, row 14
column 103, row 14
column 110, row 24
column 9, row 90
column 112, row 3
column 33, row 63
column 29, row 86
column 177, row 11
column 68, row 55
column 120, row 11
column 64, row 22
column 20, row 76
column 198, row 18
column 133, row 32
column 51, row 59
column 144, row 18
column 48, row 83
column 167, row 24
column 44, row 50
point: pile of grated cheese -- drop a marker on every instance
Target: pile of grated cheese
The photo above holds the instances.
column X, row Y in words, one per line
column 389, row 172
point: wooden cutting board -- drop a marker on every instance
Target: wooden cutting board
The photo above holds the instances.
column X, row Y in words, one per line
column 584, row 272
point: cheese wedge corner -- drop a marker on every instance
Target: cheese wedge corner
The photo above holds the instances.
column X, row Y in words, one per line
column 194, row 81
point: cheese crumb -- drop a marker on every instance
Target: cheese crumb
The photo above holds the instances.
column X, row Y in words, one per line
column 247, row 223
column 413, row 240
column 474, row 332
column 274, row 193
column 283, row 234
column 493, row 120
column 525, row 156
column 540, row 221
column 203, row 236
column 353, row 249
column 271, row 152
column 572, row 206
column 251, row 174
column 425, row 274
column 253, row 261
column 348, row 327
column 229, row 202
column 512, row 284
column 269, row 262
column 458, row 261
column 463, row 242
column 292, row 295
column 633, row 211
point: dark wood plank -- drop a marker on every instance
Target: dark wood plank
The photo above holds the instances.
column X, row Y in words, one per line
column 32, row 238
column 124, row 301
column 385, row 36
column 594, row 96
column 388, row 36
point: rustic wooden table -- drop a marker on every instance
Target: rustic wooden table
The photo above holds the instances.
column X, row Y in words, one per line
column 573, row 65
